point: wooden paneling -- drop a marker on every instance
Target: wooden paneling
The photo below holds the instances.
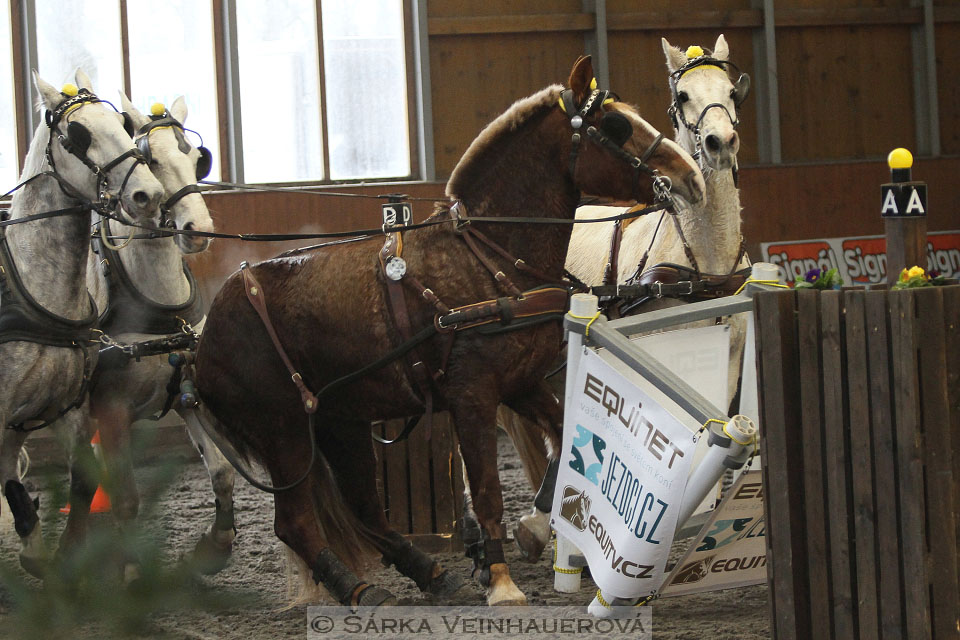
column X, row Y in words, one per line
column 460, row 8
column 833, row 200
column 779, row 203
column 948, row 87
column 842, row 95
column 638, row 73
column 885, row 413
column 474, row 80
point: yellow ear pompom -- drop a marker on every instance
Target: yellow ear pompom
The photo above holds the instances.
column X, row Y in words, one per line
column 593, row 84
column 158, row 109
column 69, row 90
column 694, row 52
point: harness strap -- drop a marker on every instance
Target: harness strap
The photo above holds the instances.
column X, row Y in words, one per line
column 498, row 275
column 518, row 263
column 392, row 248
column 258, row 301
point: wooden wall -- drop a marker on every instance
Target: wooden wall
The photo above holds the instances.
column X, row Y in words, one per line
column 844, row 67
column 845, row 94
column 790, row 202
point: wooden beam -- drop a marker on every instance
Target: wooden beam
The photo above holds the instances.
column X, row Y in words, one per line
column 536, row 23
column 672, row 20
column 21, row 84
column 848, row 16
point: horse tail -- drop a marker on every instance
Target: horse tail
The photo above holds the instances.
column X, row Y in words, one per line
column 529, row 441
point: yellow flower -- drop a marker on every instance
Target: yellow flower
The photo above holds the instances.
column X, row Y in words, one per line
column 903, row 276
column 915, row 271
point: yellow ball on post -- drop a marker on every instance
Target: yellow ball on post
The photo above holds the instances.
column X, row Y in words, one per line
column 158, row 109
column 900, row 158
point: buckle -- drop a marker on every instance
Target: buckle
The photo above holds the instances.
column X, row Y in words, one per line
column 659, row 286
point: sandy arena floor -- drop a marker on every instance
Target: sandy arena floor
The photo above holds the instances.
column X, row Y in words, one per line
column 256, row 571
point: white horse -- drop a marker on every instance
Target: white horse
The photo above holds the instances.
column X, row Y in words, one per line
column 147, row 296
column 705, row 237
column 80, row 157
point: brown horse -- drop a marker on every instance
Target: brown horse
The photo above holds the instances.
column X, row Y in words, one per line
column 331, row 312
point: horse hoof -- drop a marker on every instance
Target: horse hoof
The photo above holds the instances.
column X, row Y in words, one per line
column 447, row 585
column 529, row 545
column 209, row 556
column 37, row 567
column 507, row 598
column 374, row 596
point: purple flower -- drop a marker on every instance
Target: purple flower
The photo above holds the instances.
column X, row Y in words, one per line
column 813, row 275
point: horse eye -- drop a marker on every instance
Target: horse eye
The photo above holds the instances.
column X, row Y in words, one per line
column 682, row 96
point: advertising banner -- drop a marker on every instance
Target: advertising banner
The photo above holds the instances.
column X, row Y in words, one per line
column 623, row 470
column 731, row 550
column 860, row 259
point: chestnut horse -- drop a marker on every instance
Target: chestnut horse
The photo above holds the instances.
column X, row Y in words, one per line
column 330, row 310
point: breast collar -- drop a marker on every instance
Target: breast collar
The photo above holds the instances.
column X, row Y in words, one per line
column 129, row 311
column 22, row 318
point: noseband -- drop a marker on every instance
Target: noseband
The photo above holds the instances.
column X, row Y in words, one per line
column 76, row 142
column 741, row 88
column 595, row 101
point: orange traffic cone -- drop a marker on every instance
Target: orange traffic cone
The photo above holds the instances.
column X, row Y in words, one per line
column 101, row 501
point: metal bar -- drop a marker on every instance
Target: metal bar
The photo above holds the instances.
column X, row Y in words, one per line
column 232, row 78
column 930, row 56
column 686, row 397
column 665, row 318
column 421, row 50
column 768, row 97
column 125, row 49
column 595, row 42
column 322, row 83
column 28, row 41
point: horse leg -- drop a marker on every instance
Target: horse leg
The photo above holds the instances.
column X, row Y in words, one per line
column 34, row 556
column 297, row 524
column 113, row 423
column 474, row 420
column 354, row 464
column 84, row 476
column 542, row 413
column 216, row 544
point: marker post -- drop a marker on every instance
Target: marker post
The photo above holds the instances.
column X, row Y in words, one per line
column 904, row 212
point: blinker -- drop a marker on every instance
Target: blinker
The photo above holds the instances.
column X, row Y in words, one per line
column 79, row 137
column 617, row 127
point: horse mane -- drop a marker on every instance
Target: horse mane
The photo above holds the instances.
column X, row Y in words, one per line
column 36, row 154
column 510, row 120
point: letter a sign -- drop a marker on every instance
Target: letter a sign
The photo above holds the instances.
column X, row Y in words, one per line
column 903, row 199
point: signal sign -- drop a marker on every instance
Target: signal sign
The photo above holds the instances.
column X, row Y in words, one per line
column 903, row 199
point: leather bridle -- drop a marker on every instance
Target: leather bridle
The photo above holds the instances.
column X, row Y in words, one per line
column 595, row 101
column 105, row 201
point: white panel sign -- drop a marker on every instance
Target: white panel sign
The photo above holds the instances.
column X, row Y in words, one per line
column 731, row 550
column 623, row 470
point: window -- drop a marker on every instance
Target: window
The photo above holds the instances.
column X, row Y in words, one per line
column 171, row 55
column 363, row 52
column 8, row 125
column 81, row 34
column 279, row 90
column 283, row 91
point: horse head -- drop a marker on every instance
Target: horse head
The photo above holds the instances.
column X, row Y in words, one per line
column 91, row 151
column 706, row 102
column 178, row 165
column 618, row 152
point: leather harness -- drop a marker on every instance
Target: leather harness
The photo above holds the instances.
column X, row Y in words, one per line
column 129, row 311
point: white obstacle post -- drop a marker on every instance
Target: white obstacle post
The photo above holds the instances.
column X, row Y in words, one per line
column 568, row 561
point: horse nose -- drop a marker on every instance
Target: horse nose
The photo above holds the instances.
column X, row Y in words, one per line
column 144, row 199
column 712, row 143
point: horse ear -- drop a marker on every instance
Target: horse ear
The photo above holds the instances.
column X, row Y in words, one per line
column 720, row 50
column 179, row 109
column 581, row 77
column 48, row 93
column 136, row 117
column 675, row 57
column 83, row 80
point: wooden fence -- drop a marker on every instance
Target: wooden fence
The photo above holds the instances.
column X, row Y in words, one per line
column 860, row 412
column 421, row 483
